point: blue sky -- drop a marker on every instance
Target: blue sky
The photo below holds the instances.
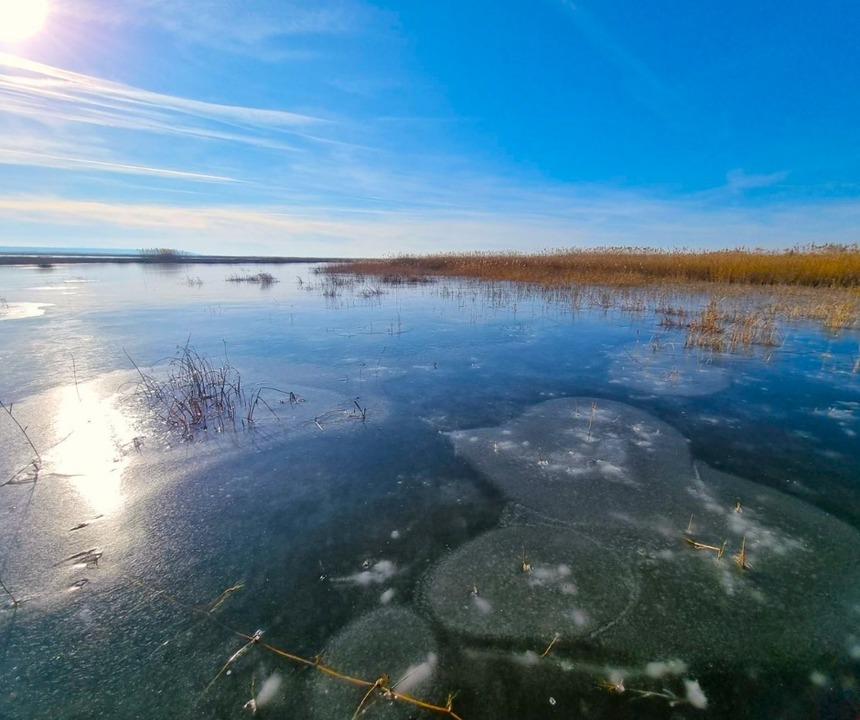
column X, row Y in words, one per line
column 350, row 128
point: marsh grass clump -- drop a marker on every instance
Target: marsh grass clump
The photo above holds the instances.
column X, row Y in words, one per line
column 729, row 330
column 195, row 394
column 263, row 279
column 198, row 394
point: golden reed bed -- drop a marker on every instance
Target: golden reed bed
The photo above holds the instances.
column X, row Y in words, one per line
column 830, row 266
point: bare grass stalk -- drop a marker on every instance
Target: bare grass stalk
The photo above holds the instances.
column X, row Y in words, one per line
column 30, row 472
column 380, row 687
column 15, row 601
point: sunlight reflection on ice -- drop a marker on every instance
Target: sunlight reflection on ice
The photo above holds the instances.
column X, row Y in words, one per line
column 21, row 310
column 90, row 434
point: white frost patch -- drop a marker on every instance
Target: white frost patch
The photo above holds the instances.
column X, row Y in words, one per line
column 381, row 572
column 387, row 596
column 616, row 677
column 482, row 604
column 669, row 668
column 268, row 690
column 416, row 675
column 395, row 534
column 579, row 618
column 695, row 696
column 543, row 575
column 818, row 679
column 528, row 658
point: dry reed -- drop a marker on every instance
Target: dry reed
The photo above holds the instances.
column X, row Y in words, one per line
column 196, row 394
column 725, row 300
column 815, row 266
column 381, row 687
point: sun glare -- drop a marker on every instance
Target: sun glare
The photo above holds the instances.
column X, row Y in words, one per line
column 21, row 19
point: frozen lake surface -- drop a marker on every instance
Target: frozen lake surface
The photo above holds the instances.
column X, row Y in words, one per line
column 467, row 495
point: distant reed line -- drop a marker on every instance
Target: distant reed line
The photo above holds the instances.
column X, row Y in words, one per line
column 822, row 266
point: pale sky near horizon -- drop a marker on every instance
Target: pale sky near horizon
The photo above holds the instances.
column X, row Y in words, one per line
column 352, row 128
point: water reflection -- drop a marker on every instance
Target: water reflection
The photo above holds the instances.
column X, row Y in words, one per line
column 21, row 310
column 92, row 438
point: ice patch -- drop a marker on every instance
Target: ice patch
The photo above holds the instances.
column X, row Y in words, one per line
column 534, row 603
column 390, row 640
column 658, row 567
column 592, row 455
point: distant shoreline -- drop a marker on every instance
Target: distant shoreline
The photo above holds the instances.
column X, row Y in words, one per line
column 46, row 260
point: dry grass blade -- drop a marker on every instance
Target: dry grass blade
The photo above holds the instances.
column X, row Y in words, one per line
column 551, row 644
column 15, row 601
column 380, row 684
column 741, row 558
column 222, row 598
column 30, row 472
column 720, row 550
column 255, row 639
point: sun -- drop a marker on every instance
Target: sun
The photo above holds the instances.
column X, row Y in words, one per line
column 21, row 19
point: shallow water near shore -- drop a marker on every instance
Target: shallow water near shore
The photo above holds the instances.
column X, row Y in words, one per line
column 539, row 509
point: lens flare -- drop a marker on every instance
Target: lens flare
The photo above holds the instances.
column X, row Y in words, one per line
column 21, row 19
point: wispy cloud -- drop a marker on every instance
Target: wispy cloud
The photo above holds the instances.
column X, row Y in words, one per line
column 10, row 156
column 239, row 26
column 56, row 118
column 738, row 180
column 36, row 90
